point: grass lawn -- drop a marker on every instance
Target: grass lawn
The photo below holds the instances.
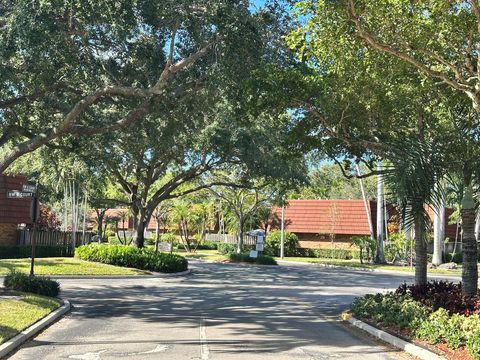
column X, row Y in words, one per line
column 356, row 263
column 65, row 266
column 21, row 311
column 211, row 255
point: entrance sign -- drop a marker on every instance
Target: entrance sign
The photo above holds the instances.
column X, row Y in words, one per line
column 259, row 247
column 17, row 194
column 253, row 254
column 260, row 239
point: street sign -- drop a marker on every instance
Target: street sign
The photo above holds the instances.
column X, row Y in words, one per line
column 31, row 188
column 260, row 239
column 253, row 254
column 17, row 194
column 259, row 247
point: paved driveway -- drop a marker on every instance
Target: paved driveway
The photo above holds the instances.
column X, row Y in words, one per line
column 219, row 311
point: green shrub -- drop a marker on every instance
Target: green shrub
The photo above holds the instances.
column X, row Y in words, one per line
column 397, row 247
column 435, row 327
column 32, row 284
column 457, row 258
column 389, row 309
column 340, row 254
column 273, row 240
column 25, row 251
column 245, row 257
column 129, row 256
column 208, row 245
column 366, row 246
column 473, row 345
column 168, row 237
column 150, row 241
column 226, row 248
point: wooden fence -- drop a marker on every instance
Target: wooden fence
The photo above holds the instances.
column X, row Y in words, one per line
column 231, row 239
column 68, row 239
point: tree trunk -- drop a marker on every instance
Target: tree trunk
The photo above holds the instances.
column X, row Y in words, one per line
column 438, row 233
column 380, row 253
column 469, row 245
column 100, row 225
column 140, row 230
column 157, row 233
column 240, row 236
column 420, row 253
column 477, row 227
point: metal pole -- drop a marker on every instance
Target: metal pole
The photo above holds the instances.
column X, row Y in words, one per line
column 282, row 235
column 34, row 233
column 366, row 204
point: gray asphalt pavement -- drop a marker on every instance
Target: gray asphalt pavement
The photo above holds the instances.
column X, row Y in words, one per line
column 219, row 311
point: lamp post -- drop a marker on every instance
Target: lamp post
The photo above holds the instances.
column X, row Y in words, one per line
column 282, row 234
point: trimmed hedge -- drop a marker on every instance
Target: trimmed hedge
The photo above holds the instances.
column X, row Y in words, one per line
column 129, row 256
column 225, row 248
column 32, row 284
column 341, row 254
column 25, row 251
column 245, row 257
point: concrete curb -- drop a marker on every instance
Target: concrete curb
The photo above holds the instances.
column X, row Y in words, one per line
column 34, row 329
column 406, row 346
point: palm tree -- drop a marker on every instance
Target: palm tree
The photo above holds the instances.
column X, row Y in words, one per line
column 412, row 175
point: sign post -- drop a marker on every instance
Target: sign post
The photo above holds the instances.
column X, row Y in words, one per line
column 34, row 232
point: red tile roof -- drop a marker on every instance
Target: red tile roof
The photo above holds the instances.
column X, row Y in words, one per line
column 347, row 217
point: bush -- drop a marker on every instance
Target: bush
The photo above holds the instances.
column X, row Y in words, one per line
column 473, row 345
column 150, row 241
column 398, row 247
column 32, row 284
column 340, row 254
column 129, row 256
column 17, row 252
column 208, row 245
column 390, row 309
column 226, row 248
column 456, row 258
column 245, row 257
column 273, row 241
column 366, row 246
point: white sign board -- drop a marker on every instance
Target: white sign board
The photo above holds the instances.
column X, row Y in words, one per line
column 260, row 239
column 259, row 247
column 16, row 194
column 253, row 254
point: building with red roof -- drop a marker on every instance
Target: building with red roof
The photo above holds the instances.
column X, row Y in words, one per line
column 333, row 223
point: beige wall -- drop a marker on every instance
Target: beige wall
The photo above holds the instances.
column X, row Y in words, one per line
column 316, row 241
column 8, row 234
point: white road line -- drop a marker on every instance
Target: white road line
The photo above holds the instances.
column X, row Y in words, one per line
column 88, row 356
column 204, row 351
column 159, row 348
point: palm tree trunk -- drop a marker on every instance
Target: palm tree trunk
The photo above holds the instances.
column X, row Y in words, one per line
column 469, row 245
column 420, row 252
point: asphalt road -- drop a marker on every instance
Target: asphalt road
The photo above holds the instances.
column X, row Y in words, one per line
column 219, row 311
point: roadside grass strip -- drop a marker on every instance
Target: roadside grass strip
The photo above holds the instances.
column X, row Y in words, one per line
column 20, row 310
column 65, row 266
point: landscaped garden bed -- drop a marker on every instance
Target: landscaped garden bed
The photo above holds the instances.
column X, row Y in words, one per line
column 129, row 256
column 436, row 315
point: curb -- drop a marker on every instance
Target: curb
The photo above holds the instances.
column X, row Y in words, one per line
column 406, row 346
column 34, row 329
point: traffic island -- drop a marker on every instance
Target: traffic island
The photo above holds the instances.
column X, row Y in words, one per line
column 23, row 315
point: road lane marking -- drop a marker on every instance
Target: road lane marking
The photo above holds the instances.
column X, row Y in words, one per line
column 88, row 356
column 204, row 350
column 159, row 348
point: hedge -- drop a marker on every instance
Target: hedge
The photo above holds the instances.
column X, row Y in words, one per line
column 129, row 256
column 32, row 284
column 245, row 257
column 25, row 251
column 325, row 253
column 273, row 243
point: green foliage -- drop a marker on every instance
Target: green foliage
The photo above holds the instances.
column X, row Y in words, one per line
column 18, row 252
column 456, row 258
column 226, row 248
column 273, row 240
column 473, row 345
column 208, row 245
column 32, row 284
column 366, row 246
column 397, row 247
column 168, row 237
column 245, row 257
column 128, row 256
column 326, row 253
column 389, row 309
